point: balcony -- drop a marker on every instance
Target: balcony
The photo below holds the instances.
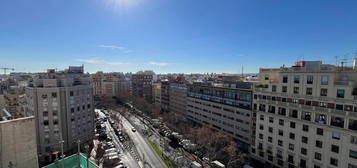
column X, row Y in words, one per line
column 306, row 116
column 320, row 118
column 337, row 122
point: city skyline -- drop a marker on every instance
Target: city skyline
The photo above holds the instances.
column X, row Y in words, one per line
column 174, row 36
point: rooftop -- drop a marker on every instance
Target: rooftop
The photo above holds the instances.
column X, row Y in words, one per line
column 72, row 162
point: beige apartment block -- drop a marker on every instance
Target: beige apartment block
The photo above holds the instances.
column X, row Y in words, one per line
column 63, row 106
column 306, row 116
column 156, row 90
column 18, row 147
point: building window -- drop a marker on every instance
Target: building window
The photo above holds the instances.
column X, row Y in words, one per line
column 45, row 113
column 324, row 80
column 334, row 161
column 271, row 119
column 273, row 88
column 270, row 139
column 323, row 92
column 284, row 89
column 336, row 135
column 54, row 95
column 262, row 117
column 308, row 91
column 71, row 93
column 334, row 148
column 293, row 114
column 292, row 124
column 310, row 79
column 306, row 116
column 337, row 121
column 351, row 166
column 318, row 156
column 352, row 124
column 319, row 131
column 261, row 127
column 340, row 93
column 45, row 122
column 270, row 129
column 303, row 151
column 261, row 136
column 320, row 118
column 280, row 142
column 285, row 78
column 292, row 136
column 296, row 90
column 304, row 139
column 305, row 128
column 353, row 140
column 281, row 132
column 353, row 154
column 266, row 77
column 281, row 122
column 318, row 144
column 291, row 147
column 291, row 159
column 55, row 122
column 296, row 79
column 72, row 110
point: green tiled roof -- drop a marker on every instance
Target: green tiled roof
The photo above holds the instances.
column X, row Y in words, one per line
column 72, row 162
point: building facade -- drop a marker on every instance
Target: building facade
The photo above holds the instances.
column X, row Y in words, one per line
column 177, row 98
column 63, row 106
column 18, row 147
column 225, row 108
column 141, row 85
column 165, row 96
column 109, row 84
column 306, row 116
column 156, row 90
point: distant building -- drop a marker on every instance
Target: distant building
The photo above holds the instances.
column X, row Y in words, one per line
column 223, row 107
column 62, row 102
column 177, row 98
column 18, row 147
column 156, row 90
column 165, row 96
column 306, row 116
column 141, row 84
column 109, row 84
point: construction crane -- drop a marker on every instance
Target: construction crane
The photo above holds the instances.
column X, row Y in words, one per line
column 5, row 69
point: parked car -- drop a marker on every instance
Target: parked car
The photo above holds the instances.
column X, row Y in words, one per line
column 133, row 129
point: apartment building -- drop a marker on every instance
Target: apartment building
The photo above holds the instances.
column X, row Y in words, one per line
column 18, row 147
column 156, row 90
column 165, row 96
column 223, row 107
column 306, row 116
column 141, row 84
column 177, row 98
column 109, row 84
column 62, row 102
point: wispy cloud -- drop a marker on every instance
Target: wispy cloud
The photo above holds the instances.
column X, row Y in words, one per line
column 101, row 62
column 159, row 63
column 115, row 47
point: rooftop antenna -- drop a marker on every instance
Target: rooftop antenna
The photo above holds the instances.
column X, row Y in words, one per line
column 242, row 71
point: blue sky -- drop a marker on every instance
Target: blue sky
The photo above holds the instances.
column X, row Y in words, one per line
column 174, row 35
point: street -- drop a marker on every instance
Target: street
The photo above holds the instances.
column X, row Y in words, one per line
column 148, row 156
column 125, row 155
